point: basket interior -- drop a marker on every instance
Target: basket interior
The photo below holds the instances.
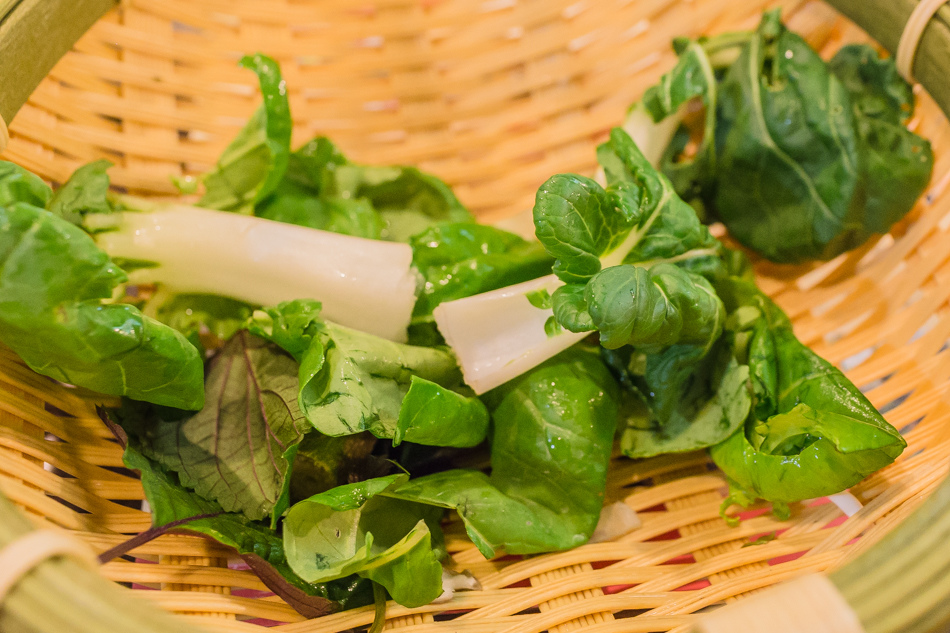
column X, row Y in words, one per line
column 494, row 96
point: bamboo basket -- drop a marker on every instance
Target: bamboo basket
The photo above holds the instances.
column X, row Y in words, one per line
column 493, row 96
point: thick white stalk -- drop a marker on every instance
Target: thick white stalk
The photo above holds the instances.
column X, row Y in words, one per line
column 651, row 137
column 499, row 335
column 364, row 284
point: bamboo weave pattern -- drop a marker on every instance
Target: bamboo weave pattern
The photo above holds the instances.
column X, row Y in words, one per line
column 494, row 96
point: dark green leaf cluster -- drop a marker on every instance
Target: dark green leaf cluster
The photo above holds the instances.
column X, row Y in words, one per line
column 799, row 158
column 705, row 358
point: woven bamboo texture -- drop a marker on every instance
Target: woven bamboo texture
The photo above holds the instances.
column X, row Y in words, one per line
column 494, row 96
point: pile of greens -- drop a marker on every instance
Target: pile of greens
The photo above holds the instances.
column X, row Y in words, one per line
column 261, row 412
column 799, row 158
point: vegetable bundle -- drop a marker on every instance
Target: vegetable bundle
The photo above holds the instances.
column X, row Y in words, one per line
column 307, row 354
column 798, row 158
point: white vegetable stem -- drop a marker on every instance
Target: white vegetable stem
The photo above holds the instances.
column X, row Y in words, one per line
column 364, row 284
column 652, row 138
column 499, row 335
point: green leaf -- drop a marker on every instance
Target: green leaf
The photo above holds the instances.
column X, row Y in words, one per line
column 551, row 445
column 339, row 215
column 253, row 165
column 463, row 259
column 20, row 185
column 324, row 462
column 693, row 76
column 579, row 223
column 354, row 529
column 800, row 159
column 812, row 432
column 897, row 163
column 408, row 200
column 625, row 254
column 435, row 416
column 84, row 192
column 876, row 88
column 207, row 321
column 695, row 403
column 170, row 501
column 238, row 450
column 659, row 306
column 53, row 283
column 350, row 381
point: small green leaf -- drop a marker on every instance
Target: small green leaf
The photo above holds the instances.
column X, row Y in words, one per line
column 253, row 165
column 435, row 416
column 540, row 298
column 355, row 529
column 84, row 192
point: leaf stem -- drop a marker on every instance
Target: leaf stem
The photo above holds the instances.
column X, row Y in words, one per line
column 148, row 535
column 379, row 596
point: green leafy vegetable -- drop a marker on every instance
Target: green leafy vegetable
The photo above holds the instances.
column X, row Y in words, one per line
column 551, row 445
column 303, row 197
column 435, row 416
column 324, row 190
column 20, row 185
column 238, row 450
column 812, row 432
column 253, row 165
column 207, row 321
column 351, row 381
column 800, row 159
column 84, row 192
column 464, row 259
column 685, row 399
column 357, row 529
column 408, row 200
column 53, row 287
column 897, row 162
column 170, row 501
column 624, row 254
column 323, row 462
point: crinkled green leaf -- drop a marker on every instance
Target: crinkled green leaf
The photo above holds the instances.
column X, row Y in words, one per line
column 253, row 165
column 552, row 438
column 813, row 433
column 238, row 450
column 53, row 283
column 897, row 163
column 693, row 400
column 658, row 306
column 350, row 381
column 354, row 529
column 625, row 254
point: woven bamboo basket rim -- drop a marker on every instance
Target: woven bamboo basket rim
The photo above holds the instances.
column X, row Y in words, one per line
column 493, row 96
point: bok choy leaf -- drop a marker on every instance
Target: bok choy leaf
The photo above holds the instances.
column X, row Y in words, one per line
column 551, row 444
column 56, row 312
